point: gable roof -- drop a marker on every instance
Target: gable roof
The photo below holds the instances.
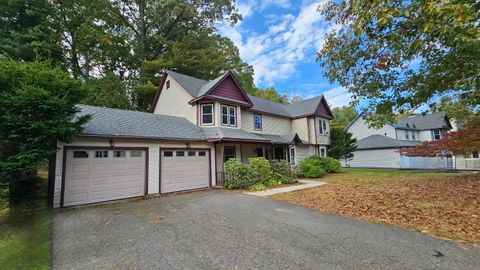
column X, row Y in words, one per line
column 199, row 88
column 436, row 120
column 383, row 142
column 108, row 122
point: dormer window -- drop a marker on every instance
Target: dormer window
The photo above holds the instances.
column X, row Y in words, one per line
column 168, row 84
column 257, row 122
column 207, row 114
column 229, row 116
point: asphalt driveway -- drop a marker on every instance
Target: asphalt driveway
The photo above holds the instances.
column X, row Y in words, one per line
column 225, row 230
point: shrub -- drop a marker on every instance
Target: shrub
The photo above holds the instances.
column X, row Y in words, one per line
column 261, row 168
column 312, row 167
column 238, row 175
column 281, row 166
column 331, row 165
column 258, row 187
column 276, row 179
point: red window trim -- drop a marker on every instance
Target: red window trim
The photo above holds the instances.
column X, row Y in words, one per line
column 201, row 114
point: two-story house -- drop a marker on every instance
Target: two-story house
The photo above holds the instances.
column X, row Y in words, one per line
column 379, row 148
column 194, row 126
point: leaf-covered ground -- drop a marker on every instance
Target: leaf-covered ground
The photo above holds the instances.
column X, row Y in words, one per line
column 445, row 205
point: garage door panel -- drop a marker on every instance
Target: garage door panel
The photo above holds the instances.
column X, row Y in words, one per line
column 184, row 172
column 97, row 179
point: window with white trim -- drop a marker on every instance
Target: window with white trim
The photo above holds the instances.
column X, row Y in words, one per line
column 257, row 122
column 436, row 134
column 323, row 152
column 229, row 115
column 475, row 154
column 413, row 135
column 206, row 114
column 292, row 156
column 406, row 134
column 322, row 127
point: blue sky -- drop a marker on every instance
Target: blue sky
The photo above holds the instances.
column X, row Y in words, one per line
column 280, row 38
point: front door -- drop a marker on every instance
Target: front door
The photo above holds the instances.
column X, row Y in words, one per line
column 279, row 153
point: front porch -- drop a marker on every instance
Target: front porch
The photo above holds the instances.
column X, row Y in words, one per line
column 243, row 151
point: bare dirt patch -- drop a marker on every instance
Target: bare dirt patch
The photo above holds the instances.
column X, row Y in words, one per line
column 445, row 205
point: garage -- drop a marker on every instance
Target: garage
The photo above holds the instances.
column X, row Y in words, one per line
column 184, row 169
column 97, row 175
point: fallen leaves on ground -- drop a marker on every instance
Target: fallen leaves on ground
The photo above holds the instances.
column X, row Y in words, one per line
column 445, row 205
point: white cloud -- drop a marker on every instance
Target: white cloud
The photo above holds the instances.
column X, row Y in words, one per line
column 288, row 41
column 338, row 96
column 277, row 3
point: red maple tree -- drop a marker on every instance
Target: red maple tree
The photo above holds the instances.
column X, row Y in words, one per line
column 465, row 140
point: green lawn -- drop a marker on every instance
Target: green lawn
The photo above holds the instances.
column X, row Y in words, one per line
column 25, row 235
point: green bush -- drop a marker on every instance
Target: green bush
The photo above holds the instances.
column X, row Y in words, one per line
column 238, row 175
column 331, row 165
column 258, row 187
column 261, row 168
column 281, row 166
column 276, row 179
column 311, row 165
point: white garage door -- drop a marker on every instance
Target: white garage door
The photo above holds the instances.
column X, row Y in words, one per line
column 97, row 175
column 184, row 169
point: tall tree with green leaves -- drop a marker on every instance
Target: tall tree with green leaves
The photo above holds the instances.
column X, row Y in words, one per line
column 37, row 108
column 456, row 108
column 399, row 55
column 343, row 116
column 108, row 91
column 342, row 144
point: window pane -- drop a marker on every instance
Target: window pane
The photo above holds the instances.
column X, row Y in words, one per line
column 320, row 127
column 180, row 154
column 475, row 154
column 207, row 108
column 135, row 153
column 224, row 119
column 80, row 154
column 101, row 154
column 228, row 153
column 191, row 153
column 207, row 119
column 119, row 154
column 168, row 154
column 202, row 153
column 257, row 121
column 224, row 109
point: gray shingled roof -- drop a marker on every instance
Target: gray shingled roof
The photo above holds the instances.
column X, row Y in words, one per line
column 191, row 84
column 423, row 122
column 307, row 106
column 279, row 139
column 264, row 105
column 124, row 123
column 197, row 87
column 231, row 133
column 382, row 142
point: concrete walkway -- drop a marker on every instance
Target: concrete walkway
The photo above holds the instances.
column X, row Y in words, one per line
column 304, row 184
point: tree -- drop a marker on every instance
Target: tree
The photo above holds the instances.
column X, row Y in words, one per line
column 343, row 116
column 342, row 144
column 108, row 91
column 37, row 108
column 455, row 108
column 463, row 141
column 399, row 55
column 26, row 32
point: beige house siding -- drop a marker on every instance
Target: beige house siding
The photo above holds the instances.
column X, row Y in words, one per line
column 300, row 127
column 153, row 152
column 270, row 124
column 174, row 101
column 323, row 139
column 304, row 151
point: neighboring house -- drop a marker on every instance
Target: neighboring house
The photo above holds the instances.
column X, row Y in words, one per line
column 379, row 148
column 193, row 128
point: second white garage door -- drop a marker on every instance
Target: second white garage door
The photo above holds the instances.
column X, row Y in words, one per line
column 184, row 169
